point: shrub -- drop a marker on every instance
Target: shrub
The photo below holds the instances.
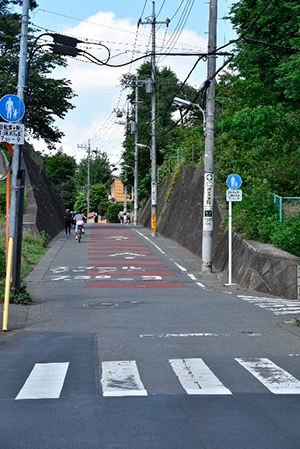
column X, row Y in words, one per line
column 113, row 211
column 254, row 215
column 286, row 235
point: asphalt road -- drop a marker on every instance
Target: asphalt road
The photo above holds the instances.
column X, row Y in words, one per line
column 129, row 346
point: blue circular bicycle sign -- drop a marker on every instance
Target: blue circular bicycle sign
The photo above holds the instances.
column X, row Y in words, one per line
column 12, row 108
column 234, row 182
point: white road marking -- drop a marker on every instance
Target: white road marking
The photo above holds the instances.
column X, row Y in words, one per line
column 124, row 279
column 180, row 267
column 192, row 277
column 200, row 284
column 151, row 278
column 154, row 244
column 127, row 255
column 278, row 306
column 61, row 278
column 121, row 378
column 57, row 270
column 44, row 382
column 276, row 379
column 198, row 334
column 196, row 378
column 195, row 334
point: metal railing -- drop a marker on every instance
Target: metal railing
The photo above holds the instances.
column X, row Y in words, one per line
column 287, row 206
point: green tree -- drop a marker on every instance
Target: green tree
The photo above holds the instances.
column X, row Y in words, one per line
column 46, row 97
column 98, row 199
column 61, row 170
column 258, row 111
column 100, row 169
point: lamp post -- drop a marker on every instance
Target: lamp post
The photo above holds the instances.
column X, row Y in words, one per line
column 135, row 205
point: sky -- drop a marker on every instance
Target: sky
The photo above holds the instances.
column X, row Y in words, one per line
column 114, row 24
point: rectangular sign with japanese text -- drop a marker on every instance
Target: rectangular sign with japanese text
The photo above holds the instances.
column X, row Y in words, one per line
column 12, row 133
column 234, row 195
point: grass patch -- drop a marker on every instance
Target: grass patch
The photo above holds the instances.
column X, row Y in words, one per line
column 33, row 248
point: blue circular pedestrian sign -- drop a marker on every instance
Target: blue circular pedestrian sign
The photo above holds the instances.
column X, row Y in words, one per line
column 234, row 182
column 12, row 108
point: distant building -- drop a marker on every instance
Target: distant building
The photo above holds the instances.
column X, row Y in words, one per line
column 116, row 191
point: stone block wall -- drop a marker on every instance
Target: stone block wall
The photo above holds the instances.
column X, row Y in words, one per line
column 44, row 207
column 257, row 266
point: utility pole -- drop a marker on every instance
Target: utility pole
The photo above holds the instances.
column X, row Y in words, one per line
column 153, row 22
column 136, row 154
column 88, row 149
column 14, row 217
column 208, row 197
column 18, row 173
column 88, row 178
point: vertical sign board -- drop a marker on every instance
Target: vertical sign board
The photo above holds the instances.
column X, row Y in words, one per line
column 153, row 193
column 208, row 203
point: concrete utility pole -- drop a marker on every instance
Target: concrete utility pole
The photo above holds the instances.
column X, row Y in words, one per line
column 16, row 215
column 153, row 22
column 208, row 197
column 136, row 154
column 18, row 174
column 88, row 149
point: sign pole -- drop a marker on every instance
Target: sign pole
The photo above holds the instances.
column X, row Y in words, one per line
column 230, row 243
column 233, row 193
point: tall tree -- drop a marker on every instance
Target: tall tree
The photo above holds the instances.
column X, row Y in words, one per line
column 100, row 169
column 45, row 97
column 258, row 101
column 61, row 170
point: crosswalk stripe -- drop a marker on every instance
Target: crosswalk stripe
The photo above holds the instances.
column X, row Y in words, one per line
column 278, row 306
column 196, row 378
column 44, row 382
column 276, row 379
column 121, row 378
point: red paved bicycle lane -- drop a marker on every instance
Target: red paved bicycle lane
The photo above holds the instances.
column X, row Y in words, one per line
column 118, row 259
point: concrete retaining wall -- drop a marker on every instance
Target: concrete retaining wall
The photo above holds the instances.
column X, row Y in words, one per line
column 256, row 266
column 44, row 207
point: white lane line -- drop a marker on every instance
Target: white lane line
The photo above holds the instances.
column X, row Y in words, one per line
column 44, row 382
column 196, row 378
column 154, row 244
column 200, row 284
column 192, row 277
column 276, row 379
column 179, row 266
column 121, row 378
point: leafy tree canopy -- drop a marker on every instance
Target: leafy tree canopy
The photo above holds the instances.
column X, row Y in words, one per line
column 46, row 98
column 100, row 169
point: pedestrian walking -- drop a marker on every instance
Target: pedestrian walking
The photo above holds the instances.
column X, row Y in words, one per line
column 68, row 221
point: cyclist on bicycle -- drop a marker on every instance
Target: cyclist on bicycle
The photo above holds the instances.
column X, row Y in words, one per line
column 79, row 221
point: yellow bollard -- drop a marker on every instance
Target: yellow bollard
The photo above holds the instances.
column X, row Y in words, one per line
column 7, row 283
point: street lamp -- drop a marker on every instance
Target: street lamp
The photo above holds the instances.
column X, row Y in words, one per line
column 207, row 190
column 135, row 200
column 188, row 104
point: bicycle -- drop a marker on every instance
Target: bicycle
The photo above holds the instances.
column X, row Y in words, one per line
column 79, row 232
